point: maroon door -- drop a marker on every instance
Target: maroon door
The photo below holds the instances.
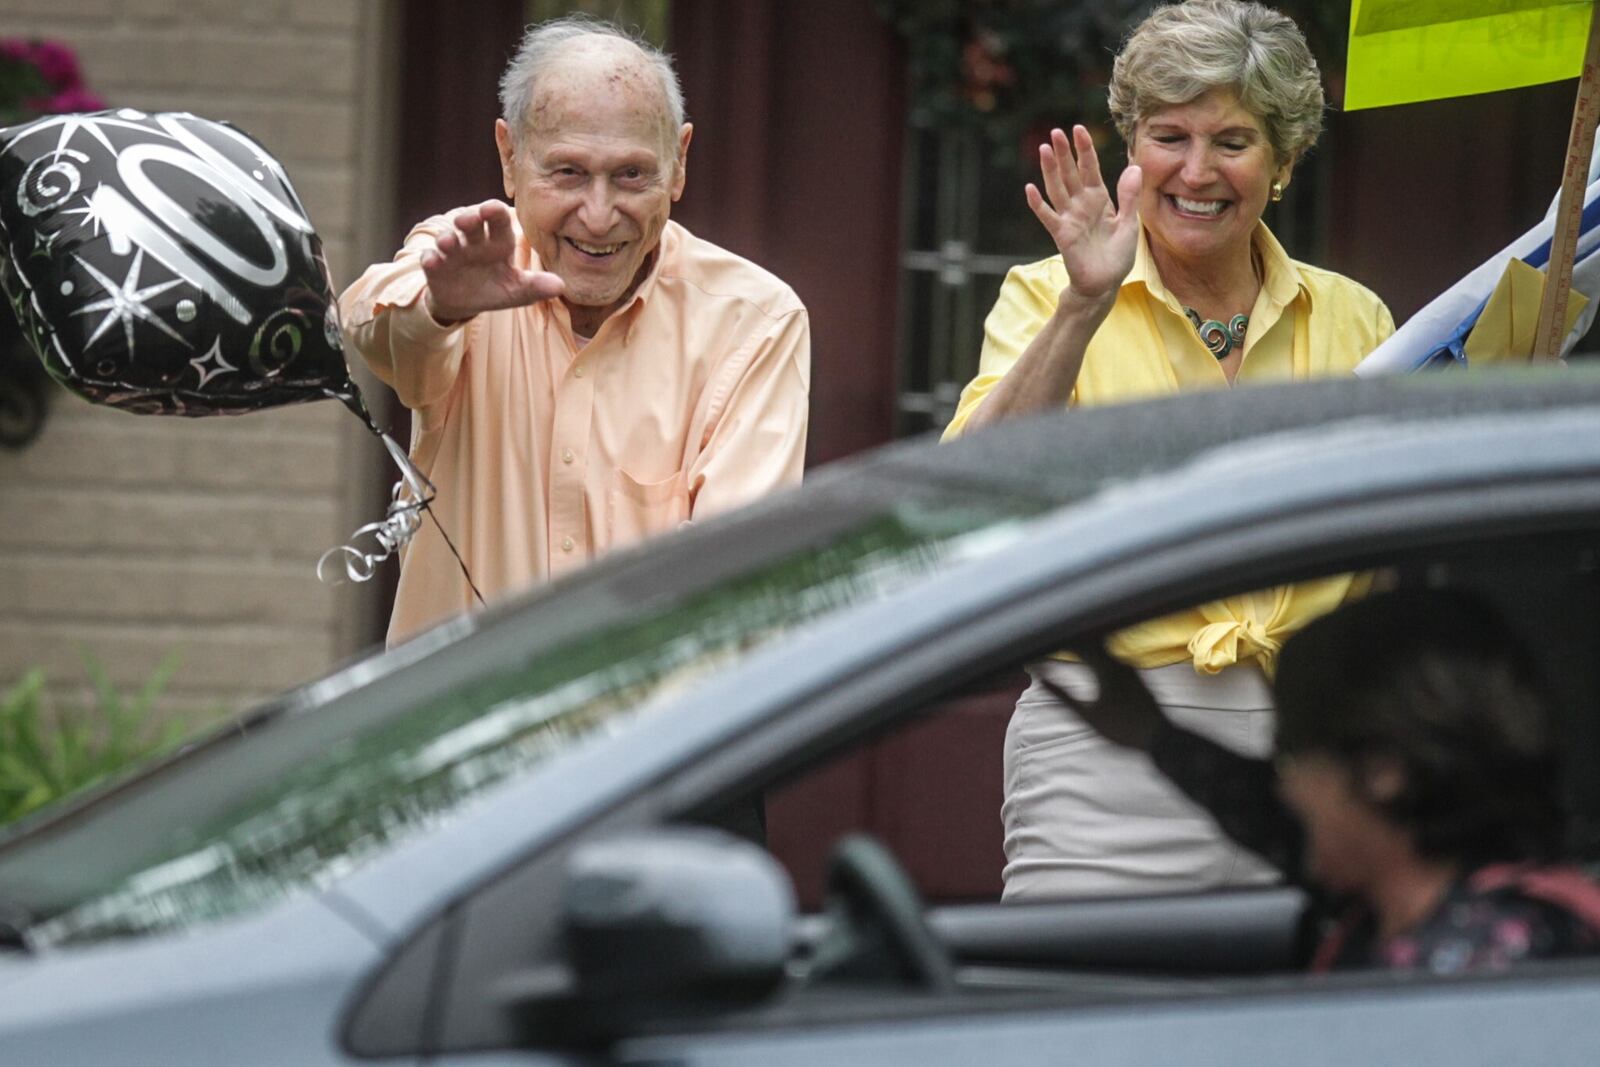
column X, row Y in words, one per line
column 799, row 113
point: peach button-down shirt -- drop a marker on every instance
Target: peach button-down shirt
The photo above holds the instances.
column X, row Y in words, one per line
column 690, row 400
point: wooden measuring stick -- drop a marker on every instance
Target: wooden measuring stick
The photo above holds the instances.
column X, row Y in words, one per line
column 1552, row 326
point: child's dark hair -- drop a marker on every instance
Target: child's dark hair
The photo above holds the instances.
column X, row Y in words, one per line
column 1436, row 682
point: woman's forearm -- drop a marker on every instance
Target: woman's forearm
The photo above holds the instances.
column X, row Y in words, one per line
column 1044, row 375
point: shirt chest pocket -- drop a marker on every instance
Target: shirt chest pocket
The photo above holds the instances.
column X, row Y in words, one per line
column 636, row 509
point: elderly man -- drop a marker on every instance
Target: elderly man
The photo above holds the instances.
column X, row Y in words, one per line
column 584, row 372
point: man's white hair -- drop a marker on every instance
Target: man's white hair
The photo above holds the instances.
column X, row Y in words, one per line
column 541, row 48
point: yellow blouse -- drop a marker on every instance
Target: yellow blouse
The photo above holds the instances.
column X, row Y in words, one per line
column 1306, row 323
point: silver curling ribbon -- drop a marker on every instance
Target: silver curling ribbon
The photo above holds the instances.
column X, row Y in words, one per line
column 407, row 501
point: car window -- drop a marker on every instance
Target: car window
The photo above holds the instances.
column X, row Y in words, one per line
column 934, row 788
column 317, row 793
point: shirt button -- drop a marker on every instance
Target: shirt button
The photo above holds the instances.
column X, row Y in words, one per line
column 568, row 544
column 566, row 455
column 578, row 373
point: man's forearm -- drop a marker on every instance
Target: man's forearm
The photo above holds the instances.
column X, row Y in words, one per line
column 387, row 321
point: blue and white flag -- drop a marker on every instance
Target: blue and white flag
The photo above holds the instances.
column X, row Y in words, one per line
column 1436, row 335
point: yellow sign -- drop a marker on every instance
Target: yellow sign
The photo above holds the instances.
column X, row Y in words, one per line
column 1403, row 51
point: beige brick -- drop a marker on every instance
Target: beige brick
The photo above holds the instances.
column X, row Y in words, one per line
column 131, row 451
column 224, row 12
column 286, row 464
column 166, row 523
column 304, row 68
column 326, row 195
column 223, row 658
column 134, row 589
column 156, row 452
column 58, row 9
column 297, row 132
column 343, row 269
column 11, row 591
column 329, row 14
column 119, row 60
column 151, row 10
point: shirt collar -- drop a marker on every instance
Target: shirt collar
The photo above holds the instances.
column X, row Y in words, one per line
column 1280, row 277
column 666, row 250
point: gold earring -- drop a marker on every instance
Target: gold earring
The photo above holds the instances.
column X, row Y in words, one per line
column 1277, row 191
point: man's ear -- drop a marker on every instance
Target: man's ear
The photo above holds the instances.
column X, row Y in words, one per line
column 680, row 172
column 508, row 157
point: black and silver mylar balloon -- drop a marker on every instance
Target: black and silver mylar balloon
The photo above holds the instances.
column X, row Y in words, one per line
column 163, row 264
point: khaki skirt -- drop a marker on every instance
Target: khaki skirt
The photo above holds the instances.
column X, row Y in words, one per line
column 1084, row 817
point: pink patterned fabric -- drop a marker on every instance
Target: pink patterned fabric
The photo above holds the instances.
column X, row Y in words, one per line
column 1490, row 919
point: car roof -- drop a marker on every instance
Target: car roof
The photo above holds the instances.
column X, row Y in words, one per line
column 1068, row 455
column 1050, row 461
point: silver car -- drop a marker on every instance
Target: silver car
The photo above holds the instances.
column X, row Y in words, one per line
column 532, row 836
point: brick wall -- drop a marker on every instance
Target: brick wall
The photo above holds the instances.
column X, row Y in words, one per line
column 129, row 538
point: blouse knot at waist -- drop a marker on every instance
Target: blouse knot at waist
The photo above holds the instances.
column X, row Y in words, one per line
column 1220, row 645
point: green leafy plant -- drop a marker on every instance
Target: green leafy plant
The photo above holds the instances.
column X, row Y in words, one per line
column 48, row 752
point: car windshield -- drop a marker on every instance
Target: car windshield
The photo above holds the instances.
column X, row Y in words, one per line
column 310, row 795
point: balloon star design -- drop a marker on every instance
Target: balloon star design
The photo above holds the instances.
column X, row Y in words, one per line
column 70, row 124
column 44, row 243
column 91, row 214
column 266, row 162
column 212, row 363
column 125, row 303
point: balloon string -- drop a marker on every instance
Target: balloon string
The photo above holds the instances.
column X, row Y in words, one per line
column 437, row 525
column 411, row 496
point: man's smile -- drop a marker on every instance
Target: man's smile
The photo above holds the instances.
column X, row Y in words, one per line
column 595, row 251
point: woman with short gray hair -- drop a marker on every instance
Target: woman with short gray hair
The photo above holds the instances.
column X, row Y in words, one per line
column 1177, row 284
column 1185, row 50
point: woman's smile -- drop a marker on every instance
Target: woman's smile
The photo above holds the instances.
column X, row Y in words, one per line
column 1208, row 209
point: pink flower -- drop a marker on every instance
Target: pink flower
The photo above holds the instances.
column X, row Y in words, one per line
column 50, row 69
column 57, row 64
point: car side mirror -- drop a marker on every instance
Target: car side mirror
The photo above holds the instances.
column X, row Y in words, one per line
column 675, row 923
column 679, row 913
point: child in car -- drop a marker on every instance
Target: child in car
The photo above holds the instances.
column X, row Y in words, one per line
column 1416, row 783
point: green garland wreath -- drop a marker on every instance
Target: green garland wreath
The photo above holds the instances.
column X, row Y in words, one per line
column 1010, row 69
